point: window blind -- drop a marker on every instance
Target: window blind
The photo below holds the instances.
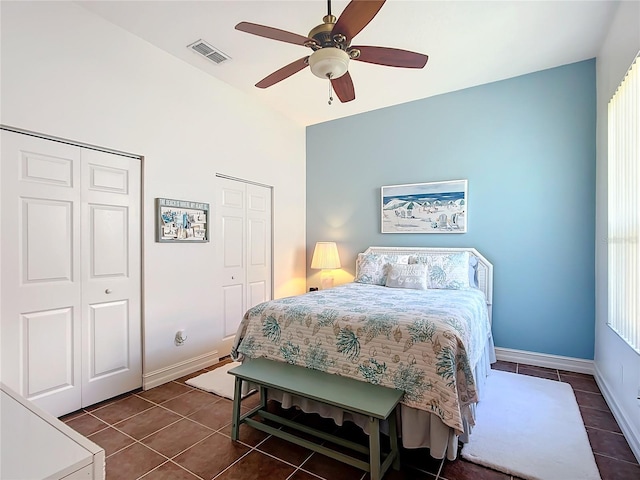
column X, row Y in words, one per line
column 624, row 207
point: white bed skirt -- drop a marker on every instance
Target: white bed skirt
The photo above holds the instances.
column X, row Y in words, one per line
column 417, row 428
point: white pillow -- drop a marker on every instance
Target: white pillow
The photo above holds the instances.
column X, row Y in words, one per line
column 372, row 268
column 446, row 270
column 408, row 276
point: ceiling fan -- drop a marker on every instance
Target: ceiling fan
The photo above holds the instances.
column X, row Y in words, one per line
column 332, row 49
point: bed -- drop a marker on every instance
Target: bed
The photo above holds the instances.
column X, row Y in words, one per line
column 414, row 319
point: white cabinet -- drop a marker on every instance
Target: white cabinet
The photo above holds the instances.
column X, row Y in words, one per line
column 35, row 445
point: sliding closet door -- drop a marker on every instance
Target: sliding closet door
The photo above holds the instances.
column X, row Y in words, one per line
column 70, row 230
column 243, row 239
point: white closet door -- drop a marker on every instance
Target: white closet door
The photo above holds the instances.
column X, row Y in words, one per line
column 111, row 266
column 70, row 233
column 258, row 244
column 231, row 245
column 243, row 238
column 41, row 279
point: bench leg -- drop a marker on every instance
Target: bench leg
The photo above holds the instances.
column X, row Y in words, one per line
column 237, row 394
column 393, row 437
column 374, row 448
column 263, row 397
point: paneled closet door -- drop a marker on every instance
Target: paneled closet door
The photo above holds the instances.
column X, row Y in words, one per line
column 111, row 269
column 243, row 239
column 41, row 279
column 60, row 232
column 258, row 220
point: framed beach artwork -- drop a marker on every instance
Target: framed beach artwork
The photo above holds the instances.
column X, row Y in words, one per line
column 434, row 207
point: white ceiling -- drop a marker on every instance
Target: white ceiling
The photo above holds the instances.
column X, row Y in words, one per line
column 468, row 42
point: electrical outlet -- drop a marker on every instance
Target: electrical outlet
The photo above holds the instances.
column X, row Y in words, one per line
column 180, row 338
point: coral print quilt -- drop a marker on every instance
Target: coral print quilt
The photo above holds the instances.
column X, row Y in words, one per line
column 424, row 342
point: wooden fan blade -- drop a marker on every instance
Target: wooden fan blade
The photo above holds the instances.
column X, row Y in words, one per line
column 356, row 16
column 272, row 33
column 391, row 57
column 284, row 72
column 343, row 86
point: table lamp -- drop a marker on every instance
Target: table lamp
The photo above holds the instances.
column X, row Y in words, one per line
column 325, row 258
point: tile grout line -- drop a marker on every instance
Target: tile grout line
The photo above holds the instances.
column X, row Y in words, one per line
column 174, row 463
column 213, row 431
column 126, row 418
column 171, row 459
column 440, row 469
column 251, row 449
column 604, row 430
column 280, row 459
column 109, row 425
column 183, row 417
column 218, row 399
column 299, row 469
column 135, row 440
column 181, row 451
column 256, row 449
column 616, row 459
column 155, row 431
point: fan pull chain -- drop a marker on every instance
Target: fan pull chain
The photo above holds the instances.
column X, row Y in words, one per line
column 330, row 92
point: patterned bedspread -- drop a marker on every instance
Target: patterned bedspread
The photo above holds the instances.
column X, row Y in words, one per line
column 424, row 342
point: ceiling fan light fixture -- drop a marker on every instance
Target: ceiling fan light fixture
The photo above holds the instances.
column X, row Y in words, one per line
column 329, row 62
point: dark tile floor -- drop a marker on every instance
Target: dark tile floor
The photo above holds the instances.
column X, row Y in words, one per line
column 176, row 432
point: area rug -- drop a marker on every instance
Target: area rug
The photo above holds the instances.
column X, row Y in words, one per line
column 219, row 381
column 531, row 428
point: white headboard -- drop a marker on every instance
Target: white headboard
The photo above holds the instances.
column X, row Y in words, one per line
column 484, row 269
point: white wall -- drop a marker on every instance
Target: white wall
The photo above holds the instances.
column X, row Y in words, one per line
column 70, row 74
column 617, row 365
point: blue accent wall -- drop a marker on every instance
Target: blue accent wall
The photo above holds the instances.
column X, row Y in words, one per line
column 527, row 147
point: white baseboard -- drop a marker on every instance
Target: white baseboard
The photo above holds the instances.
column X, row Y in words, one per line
column 569, row 364
column 632, row 436
column 177, row 370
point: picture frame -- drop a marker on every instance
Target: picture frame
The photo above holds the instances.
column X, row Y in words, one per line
column 181, row 221
column 432, row 207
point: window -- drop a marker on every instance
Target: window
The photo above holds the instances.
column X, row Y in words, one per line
column 624, row 207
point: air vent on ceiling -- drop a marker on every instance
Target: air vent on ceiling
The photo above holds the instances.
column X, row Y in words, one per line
column 207, row 50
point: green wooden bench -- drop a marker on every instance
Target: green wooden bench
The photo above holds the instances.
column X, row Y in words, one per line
column 374, row 401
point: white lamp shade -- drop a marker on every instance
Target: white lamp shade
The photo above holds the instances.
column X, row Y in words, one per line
column 325, row 256
column 329, row 62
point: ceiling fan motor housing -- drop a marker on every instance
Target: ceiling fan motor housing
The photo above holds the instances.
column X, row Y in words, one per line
column 322, row 33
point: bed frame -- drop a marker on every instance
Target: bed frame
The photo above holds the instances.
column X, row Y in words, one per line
column 484, row 269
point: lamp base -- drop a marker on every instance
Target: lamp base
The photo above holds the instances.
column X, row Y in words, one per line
column 326, row 280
